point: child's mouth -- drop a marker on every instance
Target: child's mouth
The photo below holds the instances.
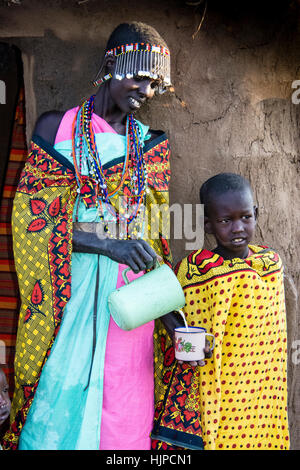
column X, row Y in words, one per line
column 238, row 240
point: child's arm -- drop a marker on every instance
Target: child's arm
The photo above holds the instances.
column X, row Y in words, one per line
column 171, row 321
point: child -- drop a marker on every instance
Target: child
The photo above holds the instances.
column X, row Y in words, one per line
column 4, row 400
column 238, row 400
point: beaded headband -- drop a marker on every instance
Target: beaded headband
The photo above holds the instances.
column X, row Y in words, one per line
column 142, row 59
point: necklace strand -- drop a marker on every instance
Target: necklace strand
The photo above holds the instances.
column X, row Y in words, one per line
column 134, row 173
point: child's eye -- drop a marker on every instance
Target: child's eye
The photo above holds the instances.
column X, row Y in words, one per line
column 224, row 221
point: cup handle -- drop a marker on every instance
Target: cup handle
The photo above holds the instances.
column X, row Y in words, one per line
column 125, row 271
column 124, row 275
column 213, row 340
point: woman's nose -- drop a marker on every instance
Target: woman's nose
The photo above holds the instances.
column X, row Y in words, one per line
column 145, row 89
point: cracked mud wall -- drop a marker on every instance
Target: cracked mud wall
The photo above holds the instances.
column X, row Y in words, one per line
column 231, row 109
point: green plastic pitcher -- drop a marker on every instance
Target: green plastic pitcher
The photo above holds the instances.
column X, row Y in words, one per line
column 148, row 297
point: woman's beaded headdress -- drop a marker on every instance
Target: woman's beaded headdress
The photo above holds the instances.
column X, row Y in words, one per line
column 143, row 59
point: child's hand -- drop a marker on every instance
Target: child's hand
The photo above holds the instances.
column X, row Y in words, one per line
column 207, row 352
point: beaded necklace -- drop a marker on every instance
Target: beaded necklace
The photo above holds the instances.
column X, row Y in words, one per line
column 134, row 173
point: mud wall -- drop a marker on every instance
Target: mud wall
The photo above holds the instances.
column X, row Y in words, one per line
column 231, row 108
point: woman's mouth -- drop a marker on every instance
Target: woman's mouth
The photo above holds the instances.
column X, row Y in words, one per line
column 133, row 103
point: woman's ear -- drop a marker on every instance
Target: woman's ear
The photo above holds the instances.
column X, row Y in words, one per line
column 109, row 63
column 107, row 67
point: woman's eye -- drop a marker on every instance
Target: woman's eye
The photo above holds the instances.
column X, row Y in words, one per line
column 139, row 78
column 154, row 85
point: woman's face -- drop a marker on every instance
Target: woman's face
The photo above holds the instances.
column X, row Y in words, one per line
column 129, row 94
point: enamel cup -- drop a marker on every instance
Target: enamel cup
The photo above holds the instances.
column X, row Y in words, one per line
column 146, row 298
column 190, row 343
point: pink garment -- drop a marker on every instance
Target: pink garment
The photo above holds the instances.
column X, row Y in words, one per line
column 65, row 128
column 128, row 396
column 128, row 390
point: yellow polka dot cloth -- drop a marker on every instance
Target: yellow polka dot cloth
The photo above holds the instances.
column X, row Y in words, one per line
column 242, row 390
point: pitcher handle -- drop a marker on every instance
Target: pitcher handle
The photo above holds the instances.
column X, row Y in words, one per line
column 125, row 271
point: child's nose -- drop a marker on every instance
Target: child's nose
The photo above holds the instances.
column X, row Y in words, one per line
column 237, row 226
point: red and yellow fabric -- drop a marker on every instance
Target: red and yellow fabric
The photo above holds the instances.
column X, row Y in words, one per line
column 9, row 291
column 238, row 400
column 42, row 229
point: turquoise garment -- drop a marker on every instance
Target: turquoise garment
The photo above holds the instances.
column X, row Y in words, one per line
column 110, row 147
column 63, row 415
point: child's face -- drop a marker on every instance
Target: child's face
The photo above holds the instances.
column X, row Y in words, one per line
column 232, row 220
column 4, row 398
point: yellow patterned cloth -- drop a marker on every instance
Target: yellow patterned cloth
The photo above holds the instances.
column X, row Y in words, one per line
column 238, row 400
column 42, row 230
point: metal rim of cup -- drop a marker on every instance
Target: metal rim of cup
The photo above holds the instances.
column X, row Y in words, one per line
column 182, row 329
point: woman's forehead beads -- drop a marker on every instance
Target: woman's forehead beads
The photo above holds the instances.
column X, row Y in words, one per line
column 144, row 60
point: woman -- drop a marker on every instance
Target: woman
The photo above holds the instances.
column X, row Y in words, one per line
column 80, row 218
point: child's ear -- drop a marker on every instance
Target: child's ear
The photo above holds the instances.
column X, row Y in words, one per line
column 255, row 209
column 207, row 225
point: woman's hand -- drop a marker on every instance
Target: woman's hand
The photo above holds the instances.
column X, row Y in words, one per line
column 136, row 254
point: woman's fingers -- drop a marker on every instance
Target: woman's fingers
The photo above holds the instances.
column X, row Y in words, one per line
column 147, row 253
column 132, row 264
column 138, row 263
column 144, row 255
column 136, row 254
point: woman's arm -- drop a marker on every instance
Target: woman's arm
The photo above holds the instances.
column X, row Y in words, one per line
column 47, row 125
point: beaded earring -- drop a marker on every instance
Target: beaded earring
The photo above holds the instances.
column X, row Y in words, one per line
column 99, row 81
